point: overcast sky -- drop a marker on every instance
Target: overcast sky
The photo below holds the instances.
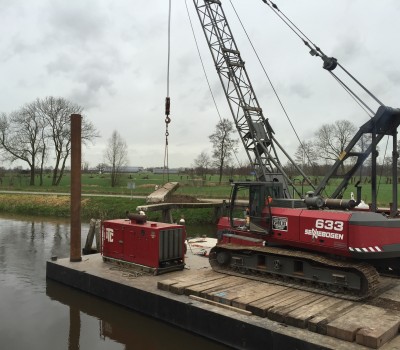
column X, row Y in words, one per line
column 111, row 58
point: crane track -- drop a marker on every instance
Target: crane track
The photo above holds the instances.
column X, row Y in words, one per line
column 368, row 272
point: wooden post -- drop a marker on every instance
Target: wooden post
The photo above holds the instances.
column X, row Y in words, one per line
column 167, row 215
column 75, row 250
column 89, row 239
column 98, row 238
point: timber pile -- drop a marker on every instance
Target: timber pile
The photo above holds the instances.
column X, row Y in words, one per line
column 367, row 325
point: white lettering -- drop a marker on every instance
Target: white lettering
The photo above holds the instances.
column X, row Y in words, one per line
column 109, row 234
column 329, row 225
column 323, row 234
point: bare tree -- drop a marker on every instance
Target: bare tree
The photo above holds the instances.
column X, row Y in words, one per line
column 117, row 155
column 101, row 167
column 29, row 133
column 202, row 163
column 56, row 112
column 223, row 144
column 332, row 139
column 43, row 154
column 305, row 154
column 21, row 137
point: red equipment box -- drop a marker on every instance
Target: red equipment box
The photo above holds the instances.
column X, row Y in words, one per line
column 154, row 246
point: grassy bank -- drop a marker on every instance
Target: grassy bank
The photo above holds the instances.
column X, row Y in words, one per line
column 144, row 184
column 91, row 207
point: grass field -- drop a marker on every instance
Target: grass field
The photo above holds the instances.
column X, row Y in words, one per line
column 100, row 183
column 146, row 182
column 107, row 208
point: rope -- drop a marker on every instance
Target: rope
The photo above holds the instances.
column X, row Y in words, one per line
column 167, row 99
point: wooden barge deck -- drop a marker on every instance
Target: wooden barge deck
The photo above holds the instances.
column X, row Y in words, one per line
column 238, row 312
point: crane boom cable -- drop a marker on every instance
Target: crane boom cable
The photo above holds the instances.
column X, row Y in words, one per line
column 205, row 73
column 202, row 62
column 292, row 26
column 316, row 51
column 167, row 99
column 360, row 102
column 361, row 85
column 271, row 84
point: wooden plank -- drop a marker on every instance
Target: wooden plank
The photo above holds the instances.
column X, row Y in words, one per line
column 279, row 312
column 211, row 302
column 300, row 316
column 376, row 337
column 181, row 287
column 392, row 294
column 261, row 307
column 165, row 284
column 226, row 295
column 318, row 323
column 248, row 301
column 231, row 282
column 201, row 289
column 393, row 344
column 367, row 325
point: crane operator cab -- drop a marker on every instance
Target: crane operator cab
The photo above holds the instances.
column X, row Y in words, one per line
column 251, row 203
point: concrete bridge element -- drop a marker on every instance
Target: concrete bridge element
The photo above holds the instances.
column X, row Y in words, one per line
column 167, row 208
column 161, row 194
column 158, row 201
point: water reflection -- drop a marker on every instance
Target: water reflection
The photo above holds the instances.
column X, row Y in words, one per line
column 26, row 244
column 121, row 325
column 40, row 314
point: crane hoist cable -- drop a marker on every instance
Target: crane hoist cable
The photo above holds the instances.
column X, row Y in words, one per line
column 167, row 99
column 206, row 76
column 272, row 85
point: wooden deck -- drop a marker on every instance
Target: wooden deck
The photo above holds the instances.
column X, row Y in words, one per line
column 372, row 323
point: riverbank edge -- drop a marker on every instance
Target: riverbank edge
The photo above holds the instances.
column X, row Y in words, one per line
column 103, row 207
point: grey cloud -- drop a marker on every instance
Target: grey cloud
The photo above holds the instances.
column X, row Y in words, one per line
column 349, row 49
column 82, row 23
column 17, row 46
column 92, row 82
column 393, row 76
column 62, row 63
column 300, row 90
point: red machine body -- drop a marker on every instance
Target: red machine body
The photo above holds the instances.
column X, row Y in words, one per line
column 155, row 246
column 355, row 234
column 339, row 251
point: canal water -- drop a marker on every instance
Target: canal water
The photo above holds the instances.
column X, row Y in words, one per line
column 40, row 314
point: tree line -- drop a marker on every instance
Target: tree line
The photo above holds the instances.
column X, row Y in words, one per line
column 315, row 156
column 40, row 131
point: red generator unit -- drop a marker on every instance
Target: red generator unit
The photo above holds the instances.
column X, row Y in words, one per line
column 150, row 246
